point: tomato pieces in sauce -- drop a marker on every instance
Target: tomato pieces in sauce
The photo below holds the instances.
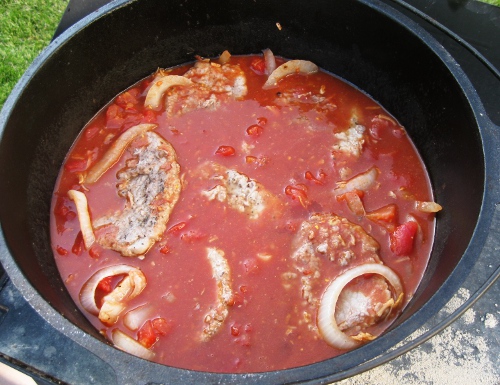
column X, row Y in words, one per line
column 267, row 216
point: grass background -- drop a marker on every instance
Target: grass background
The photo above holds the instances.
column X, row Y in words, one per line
column 26, row 27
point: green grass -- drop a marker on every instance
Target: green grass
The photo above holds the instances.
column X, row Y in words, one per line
column 26, row 27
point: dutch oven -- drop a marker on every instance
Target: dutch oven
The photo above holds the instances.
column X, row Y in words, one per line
column 369, row 44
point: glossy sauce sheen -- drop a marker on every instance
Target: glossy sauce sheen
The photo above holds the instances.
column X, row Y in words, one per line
column 265, row 328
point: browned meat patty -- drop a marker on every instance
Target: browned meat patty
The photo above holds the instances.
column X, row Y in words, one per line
column 329, row 239
column 221, row 274
column 151, row 184
column 213, row 84
column 238, row 191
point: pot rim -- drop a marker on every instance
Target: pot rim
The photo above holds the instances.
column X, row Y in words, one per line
column 321, row 372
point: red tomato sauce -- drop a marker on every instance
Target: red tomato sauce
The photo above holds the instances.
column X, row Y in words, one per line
column 288, row 147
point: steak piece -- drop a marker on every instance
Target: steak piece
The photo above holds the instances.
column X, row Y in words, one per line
column 151, row 184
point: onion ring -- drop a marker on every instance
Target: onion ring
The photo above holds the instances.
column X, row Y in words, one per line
column 82, row 209
column 87, row 293
column 303, row 67
column 327, row 323
column 115, row 151
column 135, row 318
column 160, row 85
column 129, row 345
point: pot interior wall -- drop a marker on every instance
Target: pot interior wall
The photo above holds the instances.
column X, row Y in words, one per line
column 347, row 38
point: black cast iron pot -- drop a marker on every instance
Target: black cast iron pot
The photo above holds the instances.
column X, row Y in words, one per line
column 365, row 42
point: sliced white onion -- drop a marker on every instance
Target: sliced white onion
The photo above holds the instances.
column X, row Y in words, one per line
column 361, row 182
column 303, row 67
column 128, row 344
column 87, row 294
column 269, row 60
column 155, row 93
column 82, row 209
column 114, row 303
column 224, row 57
column 135, row 318
column 327, row 323
column 428, row 207
column 115, row 151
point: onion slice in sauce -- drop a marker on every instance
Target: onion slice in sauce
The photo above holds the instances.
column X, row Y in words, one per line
column 327, row 323
column 128, row 344
column 224, row 57
column 160, row 85
column 87, row 294
column 303, row 67
column 135, row 318
column 115, row 302
column 82, row 209
column 428, row 207
column 269, row 60
column 115, row 151
column 360, row 182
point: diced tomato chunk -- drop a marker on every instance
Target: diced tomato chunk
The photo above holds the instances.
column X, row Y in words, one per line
column 78, row 246
column 91, row 132
column 402, row 238
column 298, row 192
column 130, row 120
column 76, row 164
column 127, row 98
column 114, row 116
column 165, row 249
column 385, row 216
column 146, row 335
column 318, row 180
column 151, row 331
column 149, row 116
column 258, row 65
column 61, row 250
column 105, row 285
column 62, row 210
column 262, row 120
column 94, row 252
column 254, row 130
column 161, row 326
column 225, row 151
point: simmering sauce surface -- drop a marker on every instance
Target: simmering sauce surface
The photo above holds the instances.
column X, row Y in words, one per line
column 293, row 144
